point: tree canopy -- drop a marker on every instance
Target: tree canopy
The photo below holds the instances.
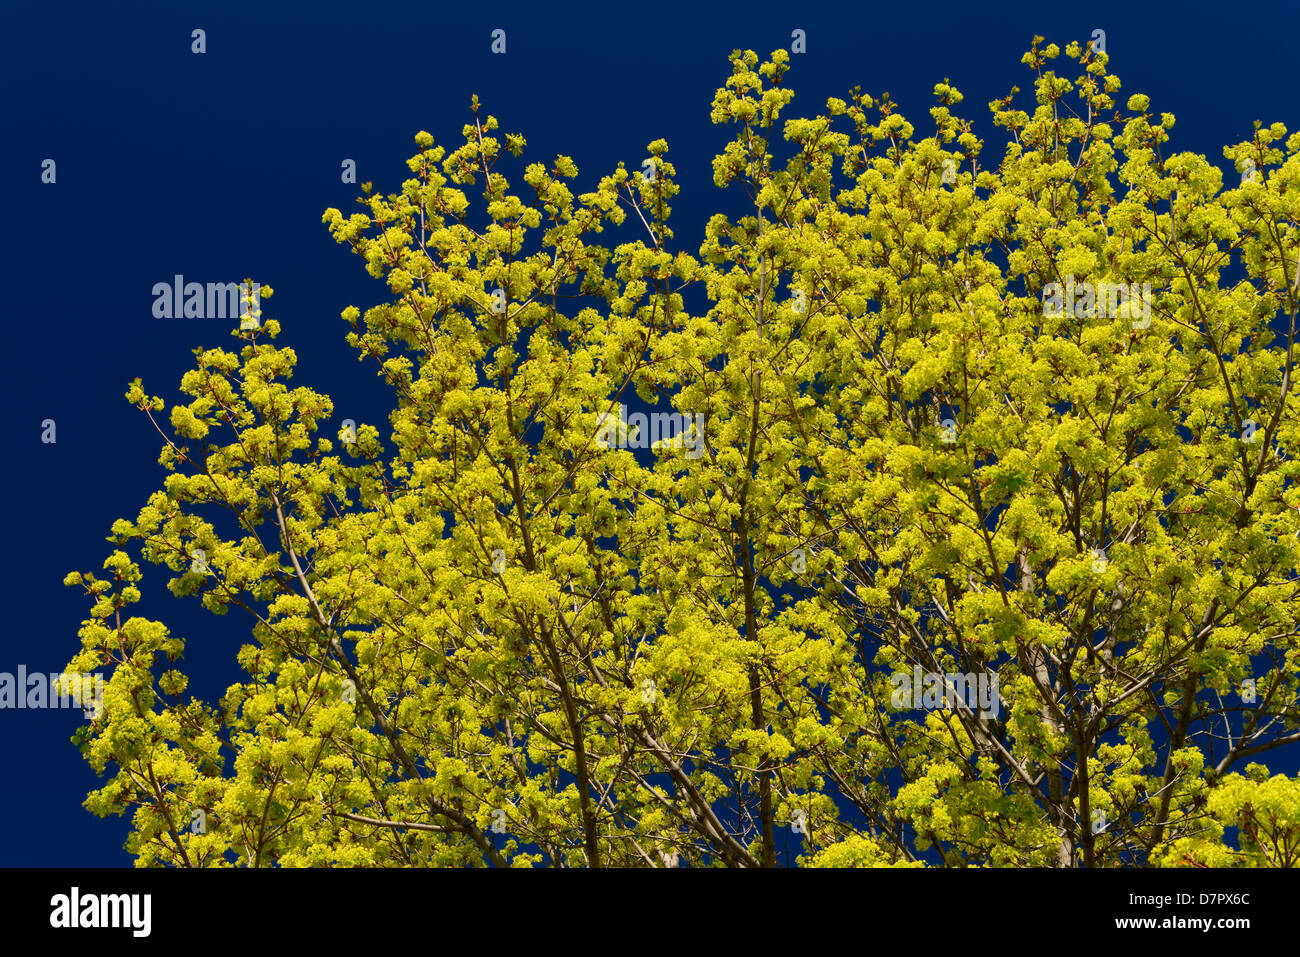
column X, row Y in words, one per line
column 1019, row 425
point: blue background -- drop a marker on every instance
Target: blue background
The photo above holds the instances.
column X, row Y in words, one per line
column 219, row 167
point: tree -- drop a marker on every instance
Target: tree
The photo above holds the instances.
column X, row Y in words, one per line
column 971, row 537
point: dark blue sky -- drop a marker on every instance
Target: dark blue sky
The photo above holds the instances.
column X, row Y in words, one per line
column 219, row 166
